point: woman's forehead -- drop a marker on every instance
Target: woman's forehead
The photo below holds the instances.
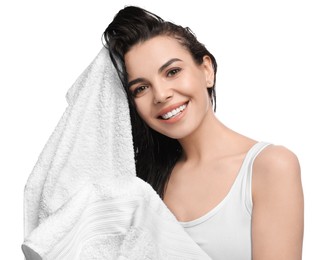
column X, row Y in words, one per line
column 155, row 52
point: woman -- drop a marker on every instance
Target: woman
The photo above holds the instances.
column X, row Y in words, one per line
column 236, row 197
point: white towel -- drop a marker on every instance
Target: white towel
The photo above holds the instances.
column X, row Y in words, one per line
column 83, row 199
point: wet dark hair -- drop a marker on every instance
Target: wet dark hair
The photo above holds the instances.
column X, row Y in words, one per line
column 155, row 154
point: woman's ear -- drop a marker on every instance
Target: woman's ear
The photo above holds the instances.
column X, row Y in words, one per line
column 209, row 71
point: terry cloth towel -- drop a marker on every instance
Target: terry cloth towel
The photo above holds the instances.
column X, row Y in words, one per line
column 82, row 199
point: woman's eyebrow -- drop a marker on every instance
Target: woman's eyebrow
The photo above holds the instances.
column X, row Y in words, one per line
column 167, row 64
column 135, row 81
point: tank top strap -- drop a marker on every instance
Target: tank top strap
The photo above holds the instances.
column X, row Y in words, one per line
column 247, row 174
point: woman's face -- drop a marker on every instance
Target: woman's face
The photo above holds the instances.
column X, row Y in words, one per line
column 169, row 88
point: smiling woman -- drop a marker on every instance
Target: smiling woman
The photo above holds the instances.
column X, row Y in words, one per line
column 165, row 93
column 180, row 185
column 236, row 197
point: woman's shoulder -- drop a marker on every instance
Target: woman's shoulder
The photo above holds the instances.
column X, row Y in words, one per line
column 275, row 167
column 277, row 196
column 276, row 158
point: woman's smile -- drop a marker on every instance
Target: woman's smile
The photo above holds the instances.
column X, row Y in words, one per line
column 173, row 112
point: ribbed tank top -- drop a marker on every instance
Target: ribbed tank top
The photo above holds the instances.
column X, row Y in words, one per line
column 224, row 233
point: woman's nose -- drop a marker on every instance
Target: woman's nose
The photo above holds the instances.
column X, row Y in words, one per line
column 162, row 93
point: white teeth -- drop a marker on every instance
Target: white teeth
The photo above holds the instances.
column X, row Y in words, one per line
column 174, row 112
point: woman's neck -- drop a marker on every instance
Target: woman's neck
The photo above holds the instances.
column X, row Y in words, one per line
column 211, row 139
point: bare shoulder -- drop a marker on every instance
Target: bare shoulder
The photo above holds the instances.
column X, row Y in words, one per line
column 277, row 195
column 274, row 165
column 277, row 157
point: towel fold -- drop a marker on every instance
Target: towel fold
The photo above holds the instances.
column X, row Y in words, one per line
column 83, row 199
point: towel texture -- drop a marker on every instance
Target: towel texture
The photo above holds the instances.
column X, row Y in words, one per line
column 83, row 199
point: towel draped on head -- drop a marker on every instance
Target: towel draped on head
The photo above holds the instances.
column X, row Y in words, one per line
column 83, row 199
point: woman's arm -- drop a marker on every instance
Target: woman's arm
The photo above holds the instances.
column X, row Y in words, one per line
column 277, row 220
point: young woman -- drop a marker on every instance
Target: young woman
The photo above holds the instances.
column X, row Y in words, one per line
column 236, row 197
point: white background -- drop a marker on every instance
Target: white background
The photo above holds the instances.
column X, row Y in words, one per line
column 272, row 69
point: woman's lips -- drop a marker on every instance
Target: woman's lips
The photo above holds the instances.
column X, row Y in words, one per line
column 172, row 110
column 173, row 113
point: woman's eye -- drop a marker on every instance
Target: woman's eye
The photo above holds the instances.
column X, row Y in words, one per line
column 138, row 90
column 172, row 72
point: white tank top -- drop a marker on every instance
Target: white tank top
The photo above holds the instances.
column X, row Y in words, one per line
column 224, row 233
